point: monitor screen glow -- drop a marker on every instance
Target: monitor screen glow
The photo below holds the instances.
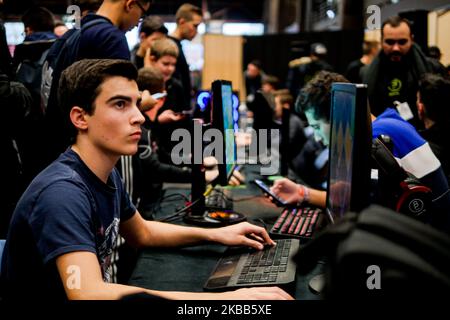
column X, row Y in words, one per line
column 341, row 153
column 228, row 124
column 350, row 150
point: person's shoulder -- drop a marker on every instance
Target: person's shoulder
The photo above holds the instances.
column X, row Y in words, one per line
column 101, row 28
column 103, row 31
column 60, row 173
column 177, row 41
column 103, row 40
column 355, row 64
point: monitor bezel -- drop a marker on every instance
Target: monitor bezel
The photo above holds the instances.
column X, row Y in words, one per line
column 360, row 184
column 217, row 121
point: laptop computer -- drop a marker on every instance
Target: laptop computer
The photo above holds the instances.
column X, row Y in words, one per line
column 347, row 190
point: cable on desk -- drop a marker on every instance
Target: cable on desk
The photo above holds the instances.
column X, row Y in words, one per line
column 245, row 198
column 179, row 213
column 173, row 195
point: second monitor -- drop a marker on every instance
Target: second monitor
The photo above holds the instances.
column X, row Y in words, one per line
column 223, row 116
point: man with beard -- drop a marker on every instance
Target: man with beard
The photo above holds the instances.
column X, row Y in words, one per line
column 393, row 76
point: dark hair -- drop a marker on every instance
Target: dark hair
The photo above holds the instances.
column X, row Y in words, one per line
column 270, row 79
column 285, row 96
column 435, row 95
column 38, row 19
column 59, row 23
column 152, row 24
column 434, row 52
column 151, row 79
column 187, row 11
column 395, row 21
column 256, row 63
column 316, row 95
column 80, row 83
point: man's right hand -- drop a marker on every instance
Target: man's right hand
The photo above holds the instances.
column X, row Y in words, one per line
column 169, row 116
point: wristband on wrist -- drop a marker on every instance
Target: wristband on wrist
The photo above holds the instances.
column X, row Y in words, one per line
column 304, row 194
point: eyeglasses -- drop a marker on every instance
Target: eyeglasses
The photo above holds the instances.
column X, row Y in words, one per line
column 391, row 42
column 144, row 12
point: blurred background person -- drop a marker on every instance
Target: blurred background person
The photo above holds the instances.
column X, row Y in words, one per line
column 370, row 50
column 152, row 28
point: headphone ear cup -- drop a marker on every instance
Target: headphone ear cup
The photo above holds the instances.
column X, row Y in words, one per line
column 415, row 200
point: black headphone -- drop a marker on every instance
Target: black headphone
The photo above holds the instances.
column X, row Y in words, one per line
column 402, row 191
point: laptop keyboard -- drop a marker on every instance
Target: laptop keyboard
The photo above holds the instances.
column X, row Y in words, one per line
column 271, row 266
column 297, row 223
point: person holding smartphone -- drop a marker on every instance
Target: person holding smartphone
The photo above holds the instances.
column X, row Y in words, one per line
column 163, row 56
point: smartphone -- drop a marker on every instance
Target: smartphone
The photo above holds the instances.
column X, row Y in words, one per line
column 265, row 188
column 159, row 95
column 187, row 112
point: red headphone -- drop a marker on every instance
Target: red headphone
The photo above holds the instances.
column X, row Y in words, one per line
column 410, row 196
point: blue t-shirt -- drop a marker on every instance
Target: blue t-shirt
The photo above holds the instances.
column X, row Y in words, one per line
column 103, row 41
column 66, row 208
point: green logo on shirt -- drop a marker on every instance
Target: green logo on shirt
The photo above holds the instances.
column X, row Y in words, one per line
column 395, row 87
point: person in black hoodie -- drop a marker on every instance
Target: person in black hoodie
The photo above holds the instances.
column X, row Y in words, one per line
column 188, row 19
column 432, row 105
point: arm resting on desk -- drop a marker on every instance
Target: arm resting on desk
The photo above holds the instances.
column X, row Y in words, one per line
column 88, row 284
column 141, row 233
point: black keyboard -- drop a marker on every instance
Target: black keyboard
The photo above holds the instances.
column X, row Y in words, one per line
column 218, row 200
column 298, row 223
column 271, row 266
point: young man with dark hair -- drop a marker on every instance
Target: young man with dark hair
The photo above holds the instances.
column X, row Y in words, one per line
column 188, row 18
column 65, row 225
column 432, row 104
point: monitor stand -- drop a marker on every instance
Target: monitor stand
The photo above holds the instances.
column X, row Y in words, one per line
column 199, row 214
column 317, row 283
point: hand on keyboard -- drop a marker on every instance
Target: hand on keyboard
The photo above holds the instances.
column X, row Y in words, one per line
column 242, row 234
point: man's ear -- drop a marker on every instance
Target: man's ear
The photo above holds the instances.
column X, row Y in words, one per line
column 127, row 5
column 421, row 110
column 78, row 116
column 142, row 36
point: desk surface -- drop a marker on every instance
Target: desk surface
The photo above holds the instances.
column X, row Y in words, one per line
column 187, row 269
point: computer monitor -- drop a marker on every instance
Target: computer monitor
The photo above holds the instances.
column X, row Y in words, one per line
column 223, row 114
column 285, row 141
column 350, row 146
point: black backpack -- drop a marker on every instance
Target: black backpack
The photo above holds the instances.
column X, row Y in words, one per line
column 62, row 54
column 381, row 254
column 30, row 57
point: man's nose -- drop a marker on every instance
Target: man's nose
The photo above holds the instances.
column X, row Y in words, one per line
column 396, row 47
